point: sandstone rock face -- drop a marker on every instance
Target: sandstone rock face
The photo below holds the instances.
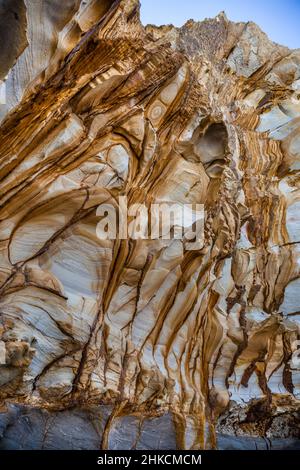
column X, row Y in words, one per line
column 143, row 343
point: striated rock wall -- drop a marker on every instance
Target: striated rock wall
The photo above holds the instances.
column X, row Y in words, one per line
column 144, row 343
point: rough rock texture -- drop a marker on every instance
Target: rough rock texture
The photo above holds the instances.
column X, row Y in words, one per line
column 142, row 343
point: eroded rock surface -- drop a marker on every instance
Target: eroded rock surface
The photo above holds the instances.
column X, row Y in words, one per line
column 143, row 343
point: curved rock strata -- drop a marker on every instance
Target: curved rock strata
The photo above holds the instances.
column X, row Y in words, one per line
column 155, row 346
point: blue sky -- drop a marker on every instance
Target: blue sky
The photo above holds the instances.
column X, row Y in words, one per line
column 280, row 19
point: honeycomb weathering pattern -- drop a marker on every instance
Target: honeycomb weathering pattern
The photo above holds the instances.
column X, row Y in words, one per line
column 200, row 343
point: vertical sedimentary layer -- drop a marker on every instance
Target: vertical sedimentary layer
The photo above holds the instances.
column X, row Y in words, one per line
column 144, row 343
